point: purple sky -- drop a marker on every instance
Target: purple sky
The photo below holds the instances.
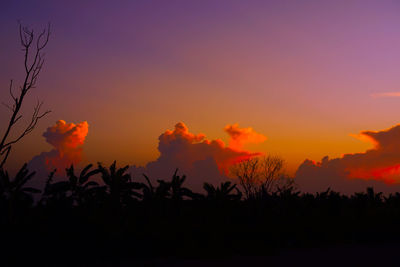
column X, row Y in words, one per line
column 304, row 73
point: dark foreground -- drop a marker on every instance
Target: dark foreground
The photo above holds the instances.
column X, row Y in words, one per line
column 79, row 222
column 345, row 255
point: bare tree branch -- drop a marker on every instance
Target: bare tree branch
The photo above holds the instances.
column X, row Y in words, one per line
column 259, row 175
column 11, row 92
column 32, row 71
column 7, row 152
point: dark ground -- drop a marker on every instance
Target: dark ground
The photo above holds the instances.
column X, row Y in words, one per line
column 346, row 255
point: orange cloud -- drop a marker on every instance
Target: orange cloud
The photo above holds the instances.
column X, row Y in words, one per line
column 66, row 136
column 184, row 146
column 67, row 140
column 241, row 136
column 202, row 160
column 378, row 166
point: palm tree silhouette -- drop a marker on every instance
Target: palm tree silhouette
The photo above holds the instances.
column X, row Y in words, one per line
column 119, row 184
column 173, row 189
column 73, row 192
column 80, row 187
column 177, row 191
column 14, row 195
column 151, row 193
column 224, row 192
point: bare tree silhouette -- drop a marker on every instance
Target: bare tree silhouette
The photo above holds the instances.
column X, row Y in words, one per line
column 33, row 64
column 260, row 175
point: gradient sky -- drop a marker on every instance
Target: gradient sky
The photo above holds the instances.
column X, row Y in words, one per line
column 306, row 74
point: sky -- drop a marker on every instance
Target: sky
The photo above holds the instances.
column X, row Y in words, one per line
column 310, row 76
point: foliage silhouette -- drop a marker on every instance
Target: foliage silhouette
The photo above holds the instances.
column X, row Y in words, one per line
column 119, row 185
column 14, row 195
column 167, row 190
column 222, row 192
column 103, row 211
column 75, row 191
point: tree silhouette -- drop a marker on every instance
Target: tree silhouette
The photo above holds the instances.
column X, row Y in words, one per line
column 261, row 175
column 56, row 194
column 168, row 219
column 178, row 192
column 151, row 193
column 119, row 185
column 32, row 67
column 167, row 190
column 75, row 191
column 224, row 192
column 81, row 186
column 14, row 195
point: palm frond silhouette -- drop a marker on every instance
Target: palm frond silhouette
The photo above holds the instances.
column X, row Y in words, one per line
column 15, row 196
column 75, row 191
column 224, row 192
column 119, row 185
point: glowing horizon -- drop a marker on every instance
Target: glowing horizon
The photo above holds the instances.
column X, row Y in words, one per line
column 304, row 75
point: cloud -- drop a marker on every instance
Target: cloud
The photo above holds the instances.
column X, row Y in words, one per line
column 241, row 136
column 67, row 140
column 378, row 167
column 387, row 94
column 202, row 160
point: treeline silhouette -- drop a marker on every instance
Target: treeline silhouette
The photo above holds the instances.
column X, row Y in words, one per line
column 79, row 217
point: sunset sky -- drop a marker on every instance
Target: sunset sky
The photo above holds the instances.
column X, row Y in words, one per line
column 308, row 75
